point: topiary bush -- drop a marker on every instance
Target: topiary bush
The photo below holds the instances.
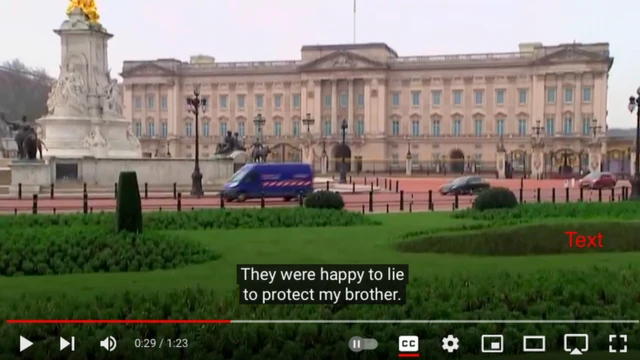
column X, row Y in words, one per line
column 495, row 198
column 129, row 205
column 324, row 200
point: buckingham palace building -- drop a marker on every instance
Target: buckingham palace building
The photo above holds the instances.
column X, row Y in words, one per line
column 443, row 109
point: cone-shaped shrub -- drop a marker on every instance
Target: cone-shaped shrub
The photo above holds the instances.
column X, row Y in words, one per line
column 129, row 206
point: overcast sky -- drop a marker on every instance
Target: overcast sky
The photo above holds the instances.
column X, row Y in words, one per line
column 246, row 30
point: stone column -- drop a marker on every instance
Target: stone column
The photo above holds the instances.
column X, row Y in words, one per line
column 595, row 156
column 334, row 106
column 317, row 107
column 537, row 160
column 409, row 164
column 350, row 118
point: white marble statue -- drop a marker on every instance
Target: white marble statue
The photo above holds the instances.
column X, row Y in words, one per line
column 71, row 89
column 133, row 140
column 113, row 101
column 308, row 152
column 52, row 99
column 95, row 139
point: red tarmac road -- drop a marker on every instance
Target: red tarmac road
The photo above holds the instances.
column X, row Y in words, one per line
column 413, row 191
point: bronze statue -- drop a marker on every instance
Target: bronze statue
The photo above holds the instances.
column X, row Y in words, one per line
column 26, row 138
column 259, row 152
column 228, row 146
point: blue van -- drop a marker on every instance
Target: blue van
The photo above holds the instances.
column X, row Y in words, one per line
column 255, row 180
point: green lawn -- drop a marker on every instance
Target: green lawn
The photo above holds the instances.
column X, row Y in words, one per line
column 365, row 244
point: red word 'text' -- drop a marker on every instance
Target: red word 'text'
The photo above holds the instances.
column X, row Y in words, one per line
column 582, row 241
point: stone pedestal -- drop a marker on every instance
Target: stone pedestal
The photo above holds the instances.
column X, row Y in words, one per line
column 595, row 158
column 324, row 164
column 409, row 164
column 501, row 159
column 85, row 105
column 29, row 175
column 537, row 162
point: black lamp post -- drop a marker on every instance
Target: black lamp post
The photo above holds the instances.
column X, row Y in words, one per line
column 595, row 128
column 259, row 122
column 343, row 167
column 308, row 121
column 195, row 105
column 634, row 102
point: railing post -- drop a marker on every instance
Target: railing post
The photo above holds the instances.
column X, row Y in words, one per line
column 456, row 201
column 370, row 201
column 115, row 190
column 51, row 190
column 600, row 195
column 327, row 185
column 34, row 206
column 85, row 203
column 538, row 195
column 221, row 200
column 146, row 190
column 84, row 188
column 566, row 195
column 20, row 191
column 397, row 186
column 402, row 200
column 520, row 195
column 553, row 195
column 430, row 203
column 262, row 199
column 581, row 194
column 175, row 190
column 179, row 202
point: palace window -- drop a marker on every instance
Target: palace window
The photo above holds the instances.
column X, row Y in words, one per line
column 326, row 128
column 478, row 95
column 567, row 125
column 259, row 101
column 522, row 96
column 187, row 129
column 327, row 101
column 500, row 126
column 551, row 95
column 137, row 102
column 240, row 129
column 241, row 102
column 360, row 101
column 457, row 97
column 457, row 127
column 164, row 104
column 344, row 100
column 415, row 128
column 296, row 101
column 435, row 97
column 205, row 128
column 360, row 127
column 223, row 128
column 295, row 128
column 435, row 128
column 586, row 94
column 164, row 128
column 151, row 128
column 223, row 102
column 477, row 127
column 277, row 128
column 137, row 128
column 395, row 127
column 395, row 98
column 500, row 96
column 568, row 95
column 550, row 126
column 522, row 127
column 151, row 102
column 586, row 125
column 415, row 98
column 277, row 101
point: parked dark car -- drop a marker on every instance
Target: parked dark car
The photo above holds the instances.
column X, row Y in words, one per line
column 598, row 180
column 465, row 185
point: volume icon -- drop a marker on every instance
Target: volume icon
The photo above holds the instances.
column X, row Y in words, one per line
column 109, row 343
column 65, row 344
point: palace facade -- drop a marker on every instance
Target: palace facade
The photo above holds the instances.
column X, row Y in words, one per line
column 441, row 108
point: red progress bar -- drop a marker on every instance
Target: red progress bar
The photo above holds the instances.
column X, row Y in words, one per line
column 408, row 355
column 42, row 321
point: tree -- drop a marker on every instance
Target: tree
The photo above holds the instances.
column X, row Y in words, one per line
column 23, row 91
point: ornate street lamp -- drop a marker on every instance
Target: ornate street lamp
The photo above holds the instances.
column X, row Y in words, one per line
column 259, row 122
column 308, row 121
column 595, row 128
column 634, row 102
column 195, row 105
column 343, row 167
column 537, row 129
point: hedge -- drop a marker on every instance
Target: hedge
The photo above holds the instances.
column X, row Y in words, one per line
column 609, row 294
column 534, row 212
column 89, row 249
column 528, row 239
column 203, row 219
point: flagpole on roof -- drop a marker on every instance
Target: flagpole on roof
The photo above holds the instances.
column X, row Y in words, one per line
column 354, row 21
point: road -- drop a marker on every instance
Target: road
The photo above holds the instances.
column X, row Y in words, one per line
column 413, row 195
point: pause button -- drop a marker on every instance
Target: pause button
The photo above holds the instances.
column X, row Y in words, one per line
column 356, row 344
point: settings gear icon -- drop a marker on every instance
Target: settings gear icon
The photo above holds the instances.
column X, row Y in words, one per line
column 450, row 343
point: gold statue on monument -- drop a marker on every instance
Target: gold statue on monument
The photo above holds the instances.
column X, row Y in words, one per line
column 88, row 8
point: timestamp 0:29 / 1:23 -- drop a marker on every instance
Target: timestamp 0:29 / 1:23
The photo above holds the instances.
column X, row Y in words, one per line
column 161, row 343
